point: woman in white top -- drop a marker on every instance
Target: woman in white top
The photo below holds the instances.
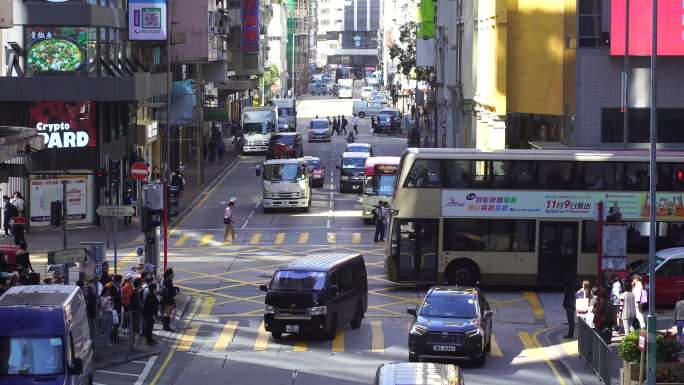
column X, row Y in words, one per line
column 638, row 291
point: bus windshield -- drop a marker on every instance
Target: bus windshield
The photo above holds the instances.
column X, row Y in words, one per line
column 26, row 356
column 284, row 172
column 258, row 128
column 380, row 185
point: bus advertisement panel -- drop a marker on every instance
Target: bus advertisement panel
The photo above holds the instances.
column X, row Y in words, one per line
column 380, row 174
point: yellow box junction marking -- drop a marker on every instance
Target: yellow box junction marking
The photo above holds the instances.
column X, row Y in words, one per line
column 206, row 239
column 303, row 238
column 338, row 342
column 256, row 238
column 226, row 336
column 332, row 237
column 378, row 342
column 262, row 339
column 280, row 238
column 188, row 338
column 300, row 346
column 356, row 238
column 181, row 241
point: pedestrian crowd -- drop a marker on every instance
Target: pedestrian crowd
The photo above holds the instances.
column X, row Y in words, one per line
column 614, row 310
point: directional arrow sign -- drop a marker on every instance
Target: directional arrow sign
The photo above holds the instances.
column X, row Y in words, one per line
column 59, row 257
column 115, row 211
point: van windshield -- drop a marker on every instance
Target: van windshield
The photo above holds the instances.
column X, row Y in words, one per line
column 25, row 356
column 298, row 280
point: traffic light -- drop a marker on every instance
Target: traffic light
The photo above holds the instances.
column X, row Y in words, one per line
column 114, row 173
column 101, row 178
column 149, row 219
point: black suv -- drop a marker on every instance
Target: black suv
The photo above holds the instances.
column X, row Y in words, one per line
column 451, row 323
column 317, row 295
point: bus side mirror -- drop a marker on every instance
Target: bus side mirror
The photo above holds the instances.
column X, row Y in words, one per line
column 258, row 171
column 411, row 311
column 263, row 287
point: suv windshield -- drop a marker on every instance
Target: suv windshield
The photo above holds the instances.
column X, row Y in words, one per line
column 31, row 356
column 284, row 172
column 258, row 128
column 318, row 124
column 349, row 163
column 298, row 280
column 456, row 306
column 283, row 139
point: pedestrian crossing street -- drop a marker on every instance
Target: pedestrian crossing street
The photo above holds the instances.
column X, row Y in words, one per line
column 214, row 238
column 248, row 334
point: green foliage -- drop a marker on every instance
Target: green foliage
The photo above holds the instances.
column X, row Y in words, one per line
column 405, row 52
column 667, row 347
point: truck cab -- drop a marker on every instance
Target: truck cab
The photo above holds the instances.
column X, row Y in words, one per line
column 285, row 184
column 258, row 124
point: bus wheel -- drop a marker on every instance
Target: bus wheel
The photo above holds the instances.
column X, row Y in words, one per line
column 462, row 272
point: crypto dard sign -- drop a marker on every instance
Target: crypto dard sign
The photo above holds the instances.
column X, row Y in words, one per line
column 64, row 124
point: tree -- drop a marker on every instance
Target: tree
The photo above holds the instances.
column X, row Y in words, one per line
column 405, row 52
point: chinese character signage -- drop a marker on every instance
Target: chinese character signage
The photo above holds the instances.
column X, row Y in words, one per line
column 670, row 27
column 250, row 26
column 64, row 124
column 559, row 204
column 56, row 50
column 147, row 19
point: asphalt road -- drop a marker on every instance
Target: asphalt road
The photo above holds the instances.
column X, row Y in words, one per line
column 225, row 343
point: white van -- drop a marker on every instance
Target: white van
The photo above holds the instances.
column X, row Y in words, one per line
column 285, row 184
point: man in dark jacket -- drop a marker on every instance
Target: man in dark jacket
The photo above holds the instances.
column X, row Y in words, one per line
column 150, row 310
column 569, row 305
column 9, row 211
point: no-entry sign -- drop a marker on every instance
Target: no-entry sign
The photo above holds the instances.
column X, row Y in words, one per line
column 139, row 171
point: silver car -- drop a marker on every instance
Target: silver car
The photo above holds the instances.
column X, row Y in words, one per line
column 363, row 109
column 319, row 130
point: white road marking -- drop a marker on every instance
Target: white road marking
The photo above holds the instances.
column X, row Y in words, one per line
column 145, row 371
column 118, row 373
column 247, row 221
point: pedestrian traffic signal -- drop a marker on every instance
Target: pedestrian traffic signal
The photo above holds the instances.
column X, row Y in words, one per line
column 101, row 178
column 149, row 219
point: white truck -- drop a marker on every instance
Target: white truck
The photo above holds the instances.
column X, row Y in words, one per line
column 287, row 108
column 285, row 184
column 345, row 88
column 258, row 123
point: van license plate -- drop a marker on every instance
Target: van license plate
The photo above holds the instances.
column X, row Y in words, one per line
column 444, row 348
column 291, row 328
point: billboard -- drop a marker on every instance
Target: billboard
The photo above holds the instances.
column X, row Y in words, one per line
column 64, row 124
column 670, row 27
column 147, row 19
column 250, row 34
column 558, row 204
column 45, row 191
column 56, row 50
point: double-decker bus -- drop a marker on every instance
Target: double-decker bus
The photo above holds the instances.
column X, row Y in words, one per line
column 523, row 217
column 379, row 176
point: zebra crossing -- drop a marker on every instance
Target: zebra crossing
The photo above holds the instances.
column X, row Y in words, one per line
column 214, row 238
column 249, row 335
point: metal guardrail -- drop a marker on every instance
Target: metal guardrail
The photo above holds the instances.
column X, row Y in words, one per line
column 105, row 332
column 594, row 350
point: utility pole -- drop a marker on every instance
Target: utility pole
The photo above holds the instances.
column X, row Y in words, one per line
column 166, row 136
column 652, row 317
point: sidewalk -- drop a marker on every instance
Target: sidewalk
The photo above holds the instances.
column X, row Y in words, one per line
column 42, row 240
column 121, row 354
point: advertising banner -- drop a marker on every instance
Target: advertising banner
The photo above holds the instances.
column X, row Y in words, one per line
column 250, row 26
column 633, row 206
column 670, row 27
column 56, row 50
column 45, row 191
column 147, row 19
column 64, row 124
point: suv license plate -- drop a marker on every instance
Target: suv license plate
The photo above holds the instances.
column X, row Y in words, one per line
column 444, row 348
column 291, row 328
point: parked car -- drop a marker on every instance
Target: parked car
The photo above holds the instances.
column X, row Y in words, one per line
column 316, row 171
column 451, row 323
column 285, row 145
column 45, row 336
column 318, row 89
column 359, row 147
column 363, row 109
column 366, row 93
column 410, row 373
column 669, row 275
column 319, row 129
column 317, row 295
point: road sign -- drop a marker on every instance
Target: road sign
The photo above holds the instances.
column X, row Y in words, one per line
column 116, row 211
column 60, row 257
column 139, row 171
